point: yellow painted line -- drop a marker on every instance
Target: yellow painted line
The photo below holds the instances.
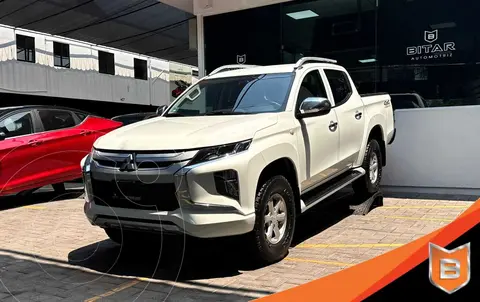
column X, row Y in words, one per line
column 114, row 291
column 361, row 245
column 35, row 207
column 417, row 218
column 318, row 261
column 426, row 207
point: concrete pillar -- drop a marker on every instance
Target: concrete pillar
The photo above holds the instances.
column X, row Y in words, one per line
column 201, row 46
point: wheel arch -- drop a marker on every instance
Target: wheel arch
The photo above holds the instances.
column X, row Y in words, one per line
column 377, row 133
column 284, row 166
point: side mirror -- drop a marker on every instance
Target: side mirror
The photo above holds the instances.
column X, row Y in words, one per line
column 314, row 106
column 2, row 136
column 161, row 110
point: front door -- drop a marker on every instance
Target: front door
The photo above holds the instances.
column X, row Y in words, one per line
column 319, row 139
column 20, row 153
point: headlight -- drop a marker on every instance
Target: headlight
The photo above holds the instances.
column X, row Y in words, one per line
column 217, row 152
column 85, row 163
column 87, row 179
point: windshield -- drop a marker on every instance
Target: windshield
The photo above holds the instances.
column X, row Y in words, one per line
column 235, row 95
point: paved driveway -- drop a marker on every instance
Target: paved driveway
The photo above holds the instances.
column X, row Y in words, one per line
column 49, row 252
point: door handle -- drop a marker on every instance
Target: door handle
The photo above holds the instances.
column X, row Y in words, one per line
column 333, row 126
column 85, row 132
column 358, row 115
column 34, row 142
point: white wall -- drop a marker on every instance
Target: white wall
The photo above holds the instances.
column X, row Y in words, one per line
column 82, row 80
column 436, row 148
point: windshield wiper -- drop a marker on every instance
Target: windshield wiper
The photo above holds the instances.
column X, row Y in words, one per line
column 174, row 114
column 223, row 112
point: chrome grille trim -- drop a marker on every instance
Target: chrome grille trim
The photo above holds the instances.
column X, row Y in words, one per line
column 112, row 160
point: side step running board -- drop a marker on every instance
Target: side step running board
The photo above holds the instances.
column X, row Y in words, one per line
column 314, row 197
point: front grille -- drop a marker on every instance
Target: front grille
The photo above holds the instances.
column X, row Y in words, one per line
column 135, row 195
column 140, row 164
column 142, row 161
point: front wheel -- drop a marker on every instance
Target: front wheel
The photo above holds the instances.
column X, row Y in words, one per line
column 275, row 220
column 372, row 164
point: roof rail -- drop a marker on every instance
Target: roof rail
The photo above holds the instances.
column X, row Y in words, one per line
column 231, row 67
column 305, row 60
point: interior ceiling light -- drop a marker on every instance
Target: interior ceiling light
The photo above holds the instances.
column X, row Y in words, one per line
column 367, row 60
column 443, row 25
column 304, row 14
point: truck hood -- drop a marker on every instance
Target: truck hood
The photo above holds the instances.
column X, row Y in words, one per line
column 180, row 133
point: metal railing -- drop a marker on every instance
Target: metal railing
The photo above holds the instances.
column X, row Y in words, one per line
column 306, row 60
column 231, row 67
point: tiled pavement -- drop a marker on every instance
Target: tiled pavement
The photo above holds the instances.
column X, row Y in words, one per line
column 49, row 252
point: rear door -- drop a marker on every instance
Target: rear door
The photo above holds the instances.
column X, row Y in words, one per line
column 350, row 113
column 21, row 152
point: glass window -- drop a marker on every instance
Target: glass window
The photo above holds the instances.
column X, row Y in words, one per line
column 106, row 62
column 140, row 67
column 56, row 119
column 61, row 53
column 25, row 49
column 81, row 116
column 235, row 95
column 312, row 86
column 17, row 125
column 406, row 101
column 340, row 86
column 427, row 47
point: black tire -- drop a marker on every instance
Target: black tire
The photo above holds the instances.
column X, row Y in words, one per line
column 264, row 251
column 364, row 186
column 27, row 193
column 59, row 188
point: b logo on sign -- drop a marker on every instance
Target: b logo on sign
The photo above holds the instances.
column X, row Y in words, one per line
column 449, row 270
column 241, row 59
column 431, row 36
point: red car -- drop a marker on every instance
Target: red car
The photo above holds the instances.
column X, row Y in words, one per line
column 43, row 145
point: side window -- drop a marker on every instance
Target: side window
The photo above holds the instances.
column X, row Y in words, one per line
column 56, row 119
column 17, row 125
column 81, row 116
column 340, row 85
column 61, row 55
column 312, row 86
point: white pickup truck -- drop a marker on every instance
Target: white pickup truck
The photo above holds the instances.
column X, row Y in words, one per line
column 243, row 151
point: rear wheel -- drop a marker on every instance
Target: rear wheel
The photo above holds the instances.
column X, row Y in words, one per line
column 275, row 220
column 372, row 163
column 27, row 193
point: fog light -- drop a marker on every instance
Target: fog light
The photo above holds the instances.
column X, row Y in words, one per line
column 226, row 183
column 181, row 188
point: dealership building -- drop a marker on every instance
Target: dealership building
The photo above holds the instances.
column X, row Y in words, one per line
column 426, row 53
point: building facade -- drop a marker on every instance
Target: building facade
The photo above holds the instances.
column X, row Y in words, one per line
column 38, row 68
column 430, row 47
column 424, row 53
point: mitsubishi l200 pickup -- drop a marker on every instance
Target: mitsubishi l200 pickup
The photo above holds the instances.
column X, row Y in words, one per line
column 243, row 151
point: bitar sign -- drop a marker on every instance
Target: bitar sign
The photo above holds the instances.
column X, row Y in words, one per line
column 432, row 50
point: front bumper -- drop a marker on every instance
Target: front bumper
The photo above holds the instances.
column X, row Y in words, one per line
column 202, row 211
column 196, row 224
